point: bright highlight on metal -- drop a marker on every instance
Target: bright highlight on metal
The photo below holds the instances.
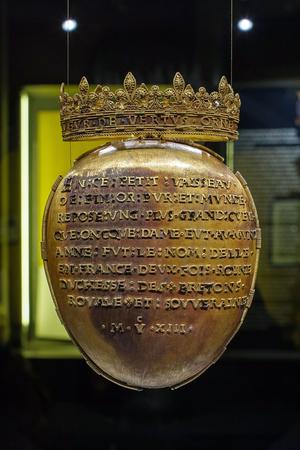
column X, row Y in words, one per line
column 245, row 24
column 69, row 25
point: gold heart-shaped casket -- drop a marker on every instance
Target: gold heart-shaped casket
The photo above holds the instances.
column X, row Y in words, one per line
column 151, row 249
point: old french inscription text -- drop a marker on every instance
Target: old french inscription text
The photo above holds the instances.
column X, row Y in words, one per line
column 151, row 250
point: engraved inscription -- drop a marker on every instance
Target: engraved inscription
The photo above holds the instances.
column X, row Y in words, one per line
column 140, row 253
column 152, row 256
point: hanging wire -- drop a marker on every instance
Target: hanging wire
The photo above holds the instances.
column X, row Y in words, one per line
column 68, row 45
column 230, row 144
column 231, row 40
column 68, row 68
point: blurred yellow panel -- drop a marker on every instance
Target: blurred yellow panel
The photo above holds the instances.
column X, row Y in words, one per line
column 54, row 158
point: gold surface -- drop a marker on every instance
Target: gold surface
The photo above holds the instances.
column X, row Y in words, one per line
column 151, row 251
column 139, row 111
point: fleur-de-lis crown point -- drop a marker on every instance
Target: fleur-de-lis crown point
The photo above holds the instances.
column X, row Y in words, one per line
column 129, row 83
column 84, row 86
column 178, row 82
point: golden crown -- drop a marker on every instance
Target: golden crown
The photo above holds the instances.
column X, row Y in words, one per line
column 150, row 112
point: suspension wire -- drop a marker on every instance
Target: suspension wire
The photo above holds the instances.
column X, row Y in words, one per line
column 68, row 69
column 230, row 144
column 231, row 41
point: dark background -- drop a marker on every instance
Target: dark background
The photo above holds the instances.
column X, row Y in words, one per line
column 245, row 402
